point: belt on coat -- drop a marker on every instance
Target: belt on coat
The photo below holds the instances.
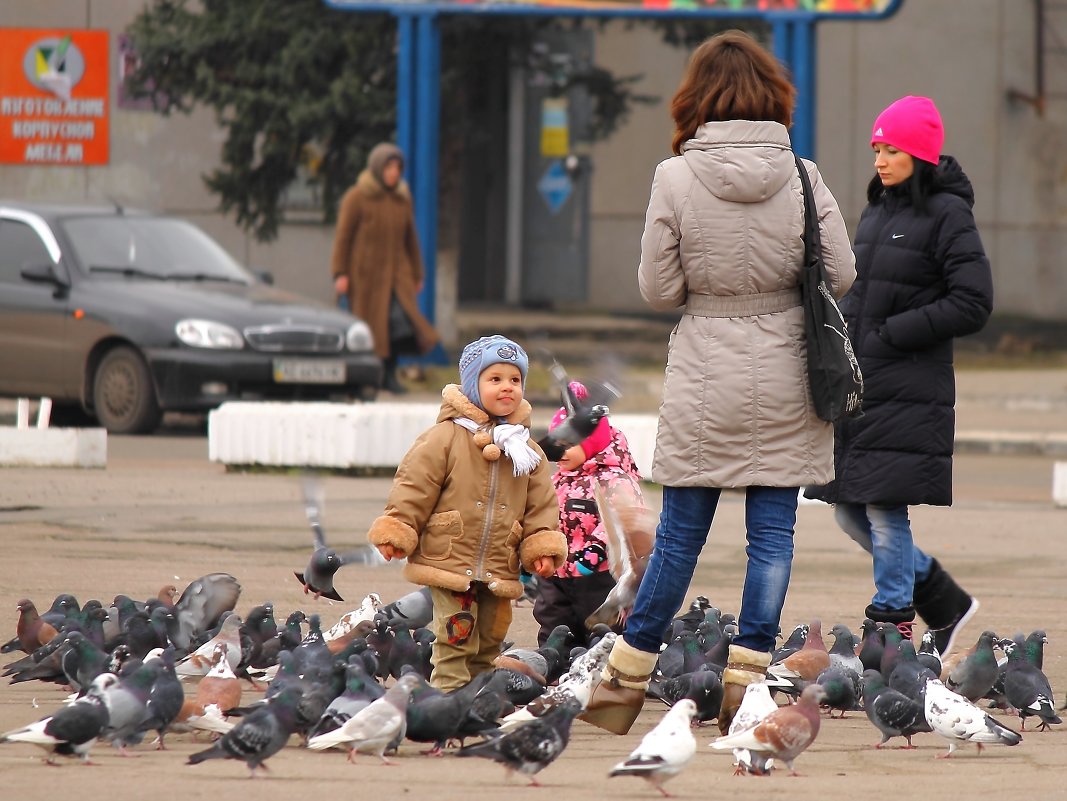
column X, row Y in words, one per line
column 700, row 305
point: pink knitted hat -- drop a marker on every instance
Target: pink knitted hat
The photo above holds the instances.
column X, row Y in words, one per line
column 601, row 436
column 911, row 124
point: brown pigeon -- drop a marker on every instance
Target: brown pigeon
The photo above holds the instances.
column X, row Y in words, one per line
column 32, row 631
column 813, row 658
column 220, row 686
column 784, row 733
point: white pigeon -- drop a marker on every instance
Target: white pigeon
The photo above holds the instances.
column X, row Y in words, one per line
column 665, row 750
column 578, row 682
column 200, row 661
column 956, row 719
column 756, row 704
column 366, row 612
column 373, row 728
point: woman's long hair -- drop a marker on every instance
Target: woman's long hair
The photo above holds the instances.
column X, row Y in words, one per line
column 730, row 77
column 917, row 188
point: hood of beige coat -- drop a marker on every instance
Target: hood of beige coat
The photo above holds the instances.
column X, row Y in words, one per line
column 740, row 160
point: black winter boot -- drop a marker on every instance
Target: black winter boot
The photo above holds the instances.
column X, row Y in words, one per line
column 390, row 381
column 944, row 605
column 903, row 619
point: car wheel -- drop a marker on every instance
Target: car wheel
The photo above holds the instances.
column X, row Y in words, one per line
column 124, row 399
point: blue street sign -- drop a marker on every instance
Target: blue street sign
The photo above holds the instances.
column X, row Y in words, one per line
column 555, row 186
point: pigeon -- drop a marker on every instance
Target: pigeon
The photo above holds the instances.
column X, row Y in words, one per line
column 435, row 717
column 703, row 687
column 784, row 733
column 842, row 687
column 411, row 611
column 199, row 662
column 928, row 655
column 954, row 718
column 975, row 675
column 127, row 702
column 31, row 630
column 583, row 415
column 258, row 736
column 893, row 713
column 630, row 531
column 533, row 746
column 756, row 704
column 665, row 750
column 1028, row 690
column 165, row 699
column 373, row 728
column 360, row 690
column 317, row 577
column 73, row 729
column 577, row 682
column 83, row 661
column 220, row 687
column 872, row 645
column 843, row 652
column 909, row 675
column 202, row 604
column 793, row 643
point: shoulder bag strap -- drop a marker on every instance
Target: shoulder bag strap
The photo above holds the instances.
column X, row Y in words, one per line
column 812, row 243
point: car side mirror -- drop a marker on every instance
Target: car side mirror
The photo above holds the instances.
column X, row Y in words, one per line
column 42, row 274
column 264, row 276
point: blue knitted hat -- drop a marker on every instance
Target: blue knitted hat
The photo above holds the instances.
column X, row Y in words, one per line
column 485, row 352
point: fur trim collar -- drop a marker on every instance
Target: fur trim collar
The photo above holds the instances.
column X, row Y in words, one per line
column 455, row 404
column 370, row 186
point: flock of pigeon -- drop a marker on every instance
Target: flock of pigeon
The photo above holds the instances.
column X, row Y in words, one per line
column 178, row 664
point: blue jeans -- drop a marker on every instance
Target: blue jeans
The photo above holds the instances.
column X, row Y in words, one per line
column 885, row 533
column 684, row 523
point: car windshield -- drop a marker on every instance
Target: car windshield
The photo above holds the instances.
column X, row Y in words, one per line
column 151, row 247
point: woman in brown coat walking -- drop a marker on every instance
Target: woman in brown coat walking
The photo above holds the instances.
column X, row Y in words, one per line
column 376, row 258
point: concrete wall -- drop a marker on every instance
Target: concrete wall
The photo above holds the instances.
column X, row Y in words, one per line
column 968, row 57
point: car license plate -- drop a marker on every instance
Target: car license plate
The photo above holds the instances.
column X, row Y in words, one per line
column 309, row 371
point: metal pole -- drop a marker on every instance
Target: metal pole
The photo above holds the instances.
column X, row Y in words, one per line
column 803, row 53
column 516, row 187
column 405, row 88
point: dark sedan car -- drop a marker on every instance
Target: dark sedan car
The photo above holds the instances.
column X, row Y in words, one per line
column 123, row 315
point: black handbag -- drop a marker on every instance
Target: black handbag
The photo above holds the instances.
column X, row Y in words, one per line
column 833, row 371
column 402, row 339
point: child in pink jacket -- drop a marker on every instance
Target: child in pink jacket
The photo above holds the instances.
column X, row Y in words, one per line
column 583, row 582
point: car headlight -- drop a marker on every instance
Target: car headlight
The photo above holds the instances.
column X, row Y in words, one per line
column 358, row 337
column 208, row 334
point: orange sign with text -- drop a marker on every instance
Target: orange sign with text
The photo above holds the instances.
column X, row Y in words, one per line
column 54, row 90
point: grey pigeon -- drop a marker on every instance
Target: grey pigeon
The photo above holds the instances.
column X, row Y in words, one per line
column 843, row 652
column 533, row 746
column 127, row 703
column 892, row 713
column 928, row 655
column 909, row 675
column 702, row 687
column 71, row 730
column 435, row 717
column 258, row 736
column 842, row 687
column 202, row 605
column 792, row 644
column 411, row 611
column 974, row 676
column 1028, row 690
column 165, row 699
column 373, row 728
column 871, row 645
column 360, row 690
column 317, row 577
column 83, row 661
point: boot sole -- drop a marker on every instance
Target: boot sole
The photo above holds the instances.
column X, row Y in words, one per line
column 963, row 621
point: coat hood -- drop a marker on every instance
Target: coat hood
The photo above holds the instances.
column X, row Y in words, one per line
column 740, row 160
column 455, row 404
column 951, row 178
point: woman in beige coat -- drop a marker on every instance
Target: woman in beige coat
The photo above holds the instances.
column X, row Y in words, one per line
column 723, row 240
column 376, row 257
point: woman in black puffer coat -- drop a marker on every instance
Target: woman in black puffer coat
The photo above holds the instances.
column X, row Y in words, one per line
column 922, row 280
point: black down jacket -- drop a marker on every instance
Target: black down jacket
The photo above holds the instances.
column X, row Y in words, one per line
column 922, row 280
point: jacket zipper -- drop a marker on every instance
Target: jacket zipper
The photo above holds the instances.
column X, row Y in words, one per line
column 494, row 469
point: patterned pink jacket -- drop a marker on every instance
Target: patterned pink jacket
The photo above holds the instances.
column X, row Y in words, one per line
column 579, row 518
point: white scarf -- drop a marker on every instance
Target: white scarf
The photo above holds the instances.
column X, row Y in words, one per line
column 512, row 440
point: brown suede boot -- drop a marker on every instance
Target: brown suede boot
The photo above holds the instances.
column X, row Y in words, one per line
column 616, row 701
column 744, row 667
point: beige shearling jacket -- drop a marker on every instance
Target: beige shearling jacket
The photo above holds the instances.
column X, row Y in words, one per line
column 723, row 240
column 461, row 515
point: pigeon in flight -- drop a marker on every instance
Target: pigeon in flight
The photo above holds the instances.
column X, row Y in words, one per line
column 583, row 414
column 317, row 577
column 665, row 750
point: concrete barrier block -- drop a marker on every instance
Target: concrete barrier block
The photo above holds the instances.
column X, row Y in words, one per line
column 1059, row 483
column 53, row 447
